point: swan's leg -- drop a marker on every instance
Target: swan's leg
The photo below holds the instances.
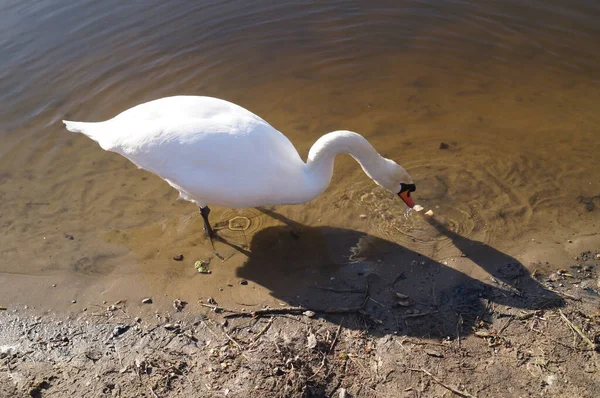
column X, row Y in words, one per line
column 205, row 211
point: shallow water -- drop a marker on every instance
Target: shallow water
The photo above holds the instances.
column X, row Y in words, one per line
column 512, row 89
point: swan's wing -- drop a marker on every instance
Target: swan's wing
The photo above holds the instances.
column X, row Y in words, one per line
column 218, row 158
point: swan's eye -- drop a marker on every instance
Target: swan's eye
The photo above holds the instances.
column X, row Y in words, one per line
column 407, row 187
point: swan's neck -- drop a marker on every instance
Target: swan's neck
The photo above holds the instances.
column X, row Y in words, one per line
column 322, row 154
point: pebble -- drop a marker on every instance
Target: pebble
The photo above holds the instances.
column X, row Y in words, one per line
column 147, row 300
column 119, row 330
column 170, row 326
column 363, row 216
column 243, row 282
column 138, row 319
column 54, row 285
column 178, row 257
column 569, row 241
column 73, row 301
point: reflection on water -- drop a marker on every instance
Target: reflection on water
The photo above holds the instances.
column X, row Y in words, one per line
column 511, row 88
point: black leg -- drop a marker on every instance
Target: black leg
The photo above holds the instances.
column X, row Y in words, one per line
column 205, row 211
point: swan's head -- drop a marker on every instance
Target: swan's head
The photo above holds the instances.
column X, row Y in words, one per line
column 396, row 179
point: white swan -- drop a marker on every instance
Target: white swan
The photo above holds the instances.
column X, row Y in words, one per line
column 216, row 152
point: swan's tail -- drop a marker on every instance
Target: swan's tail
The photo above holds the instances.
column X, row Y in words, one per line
column 76, row 127
column 96, row 131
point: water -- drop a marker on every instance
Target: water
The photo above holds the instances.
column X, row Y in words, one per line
column 512, row 88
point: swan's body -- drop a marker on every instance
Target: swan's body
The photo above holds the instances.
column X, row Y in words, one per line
column 216, row 152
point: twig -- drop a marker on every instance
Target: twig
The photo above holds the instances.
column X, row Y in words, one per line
column 217, row 308
column 419, row 315
column 330, row 289
column 337, row 334
column 292, row 311
column 152, row 391
column 320, row 367
column 446, row 386
column 407, row 340
column 569, row 296
column 576, row 329
column 263, row 331
column 225, row 333
column 509, row 320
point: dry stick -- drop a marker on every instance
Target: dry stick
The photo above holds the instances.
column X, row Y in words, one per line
column 337, row 333
column 216, row 307
column 569, row 296
column 153, row 393
column 292, row 311
column 408, row 316
column 563, row 344
column 505, row 325
column 320, row 367
column 263, row 331
column 228, row 336
column 576, row 329
column 330, row 289
column 446, row 386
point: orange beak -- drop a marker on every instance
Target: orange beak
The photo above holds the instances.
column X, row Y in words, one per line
column 405, row 196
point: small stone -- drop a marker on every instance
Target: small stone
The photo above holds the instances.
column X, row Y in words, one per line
column 54, row 285
column 311, row 341
column 138, row 319
column 443, row 145
column 433, row 353
column 569, row 241
column 363, row 216
column 243, row 282
column 147, row 300
column 73, row 301
column 171, row 326
column 178, row 257
column 309, row 314
column 178, row 305
column 119, row 330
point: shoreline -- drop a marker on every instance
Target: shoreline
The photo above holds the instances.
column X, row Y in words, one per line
column 117, row 350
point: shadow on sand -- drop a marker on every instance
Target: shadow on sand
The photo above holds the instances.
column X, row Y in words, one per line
column 296, row 264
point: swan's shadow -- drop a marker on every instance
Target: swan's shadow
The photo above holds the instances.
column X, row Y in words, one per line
column 310, row 267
